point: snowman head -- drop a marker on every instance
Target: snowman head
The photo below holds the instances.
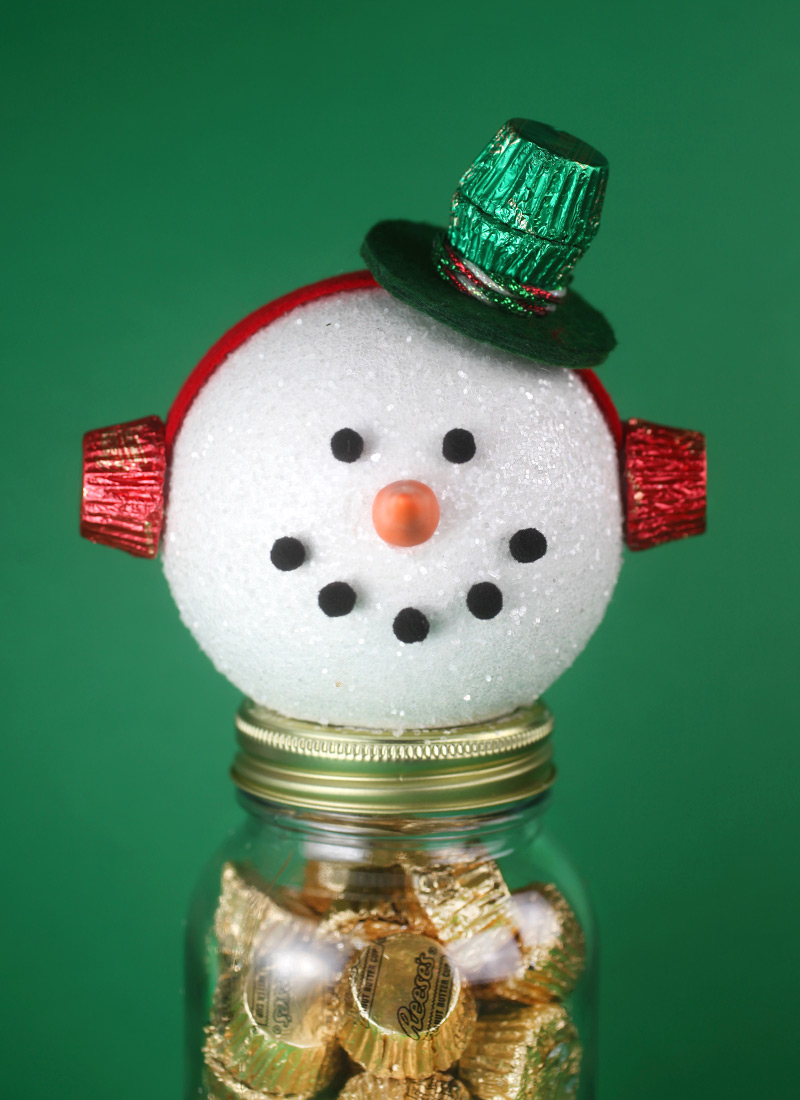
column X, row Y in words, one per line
column 375, row 520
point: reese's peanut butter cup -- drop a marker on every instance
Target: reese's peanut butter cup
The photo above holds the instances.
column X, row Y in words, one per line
column 274, row 1018
column 553, row 948
column 459, row 900
column 371, row 903
column 219, row 1085
column 439, row 1086
column 328, row 883
column 523, row 1053
column 357, row 926
column 244, row 907
column 407, row 1012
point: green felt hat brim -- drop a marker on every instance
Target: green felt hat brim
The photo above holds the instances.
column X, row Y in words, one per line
column 399, row 255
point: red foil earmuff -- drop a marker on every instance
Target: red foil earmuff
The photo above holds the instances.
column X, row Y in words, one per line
column 124, row 474
column 663, row 482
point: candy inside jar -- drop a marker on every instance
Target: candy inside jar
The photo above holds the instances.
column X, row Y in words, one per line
column 431, row 954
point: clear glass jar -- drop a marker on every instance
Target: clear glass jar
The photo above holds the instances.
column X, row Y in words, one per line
column 339, row 949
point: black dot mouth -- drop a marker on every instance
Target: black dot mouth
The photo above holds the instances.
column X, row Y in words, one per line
column 410, row 625
column 485, row 600
column 336, row 599
column 527, row 545
column 287, row 553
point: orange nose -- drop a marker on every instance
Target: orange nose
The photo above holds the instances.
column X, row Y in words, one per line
column 405, row 513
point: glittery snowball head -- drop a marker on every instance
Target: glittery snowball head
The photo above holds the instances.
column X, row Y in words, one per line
column 375, row 521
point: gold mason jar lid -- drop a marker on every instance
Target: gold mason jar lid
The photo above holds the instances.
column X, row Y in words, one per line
column 380, row 772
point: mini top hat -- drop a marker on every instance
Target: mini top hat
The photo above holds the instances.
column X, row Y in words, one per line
column 523, row 215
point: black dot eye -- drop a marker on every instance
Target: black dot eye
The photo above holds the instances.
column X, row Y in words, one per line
column 287, row 553
column 485, row 600
column 347, row 445
column 458, row 445
column 527, row 545
column 337, row 598
column 410, row 625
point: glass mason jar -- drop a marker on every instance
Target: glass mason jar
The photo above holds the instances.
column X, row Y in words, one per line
column 391, row 921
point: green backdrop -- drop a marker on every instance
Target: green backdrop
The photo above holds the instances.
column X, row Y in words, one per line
column 170, row 166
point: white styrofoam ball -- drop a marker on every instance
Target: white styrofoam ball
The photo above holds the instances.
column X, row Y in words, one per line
column 253, row 463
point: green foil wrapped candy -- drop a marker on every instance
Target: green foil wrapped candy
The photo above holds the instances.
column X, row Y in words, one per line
column 529, row 206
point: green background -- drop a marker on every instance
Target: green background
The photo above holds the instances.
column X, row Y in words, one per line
column 171, row 166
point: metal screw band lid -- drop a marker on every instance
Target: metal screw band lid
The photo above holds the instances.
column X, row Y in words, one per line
column 378, row 772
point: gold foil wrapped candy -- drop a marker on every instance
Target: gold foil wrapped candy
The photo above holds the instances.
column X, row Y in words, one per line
column 406, row 1011
column 465, row 904
column 221, row 1086
column 274, row 1018
column 385, row 959
column 523, row 1053
column 358, row 927
column 330, row 882
column 461, row 900
column 370, row 904
column 553, row 948
column 241, row 911
column 365, row 1086
column 245, row 907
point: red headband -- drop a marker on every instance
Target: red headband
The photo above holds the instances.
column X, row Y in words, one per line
column 663, row 470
